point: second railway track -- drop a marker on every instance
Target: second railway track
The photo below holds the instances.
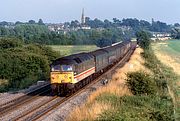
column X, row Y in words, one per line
column 25, row 99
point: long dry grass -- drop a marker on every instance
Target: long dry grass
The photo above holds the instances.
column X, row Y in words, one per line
column 88, row 112
column 169, row 61
column 92, row 108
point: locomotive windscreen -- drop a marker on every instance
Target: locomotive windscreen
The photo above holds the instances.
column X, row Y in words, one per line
column 66, row 68
column 61, row 68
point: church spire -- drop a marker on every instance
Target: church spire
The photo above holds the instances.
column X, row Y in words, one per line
column 83, row 18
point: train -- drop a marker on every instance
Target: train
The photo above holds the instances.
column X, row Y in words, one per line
column 72, row 72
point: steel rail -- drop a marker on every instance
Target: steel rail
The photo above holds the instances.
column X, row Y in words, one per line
column 14, row 104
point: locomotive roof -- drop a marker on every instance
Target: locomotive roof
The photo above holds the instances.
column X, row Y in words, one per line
column 73, row 59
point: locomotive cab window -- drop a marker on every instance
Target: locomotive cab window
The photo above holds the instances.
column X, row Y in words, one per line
column 55, row 68
column 66, row 68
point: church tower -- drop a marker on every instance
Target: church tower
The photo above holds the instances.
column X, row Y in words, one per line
column 152, row 21
column 83, row 18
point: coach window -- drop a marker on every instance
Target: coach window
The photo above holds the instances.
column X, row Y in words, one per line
column 84, row 67
column 80, row 67
column 87, row 66
column 92, row 63
column 89, row 63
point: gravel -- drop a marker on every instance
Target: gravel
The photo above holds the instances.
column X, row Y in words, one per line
column 59, row 114
column 24, row 108
column 63, row 111
column 8, row 96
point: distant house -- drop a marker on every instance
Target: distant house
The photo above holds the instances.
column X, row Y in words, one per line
column 85, row 27
column 56, row 27
column 161, row 36
column 124, row 28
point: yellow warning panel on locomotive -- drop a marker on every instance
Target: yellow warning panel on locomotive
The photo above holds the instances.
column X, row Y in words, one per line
column 61, row 77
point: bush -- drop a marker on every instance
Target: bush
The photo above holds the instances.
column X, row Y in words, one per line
column 140, row 83
column 42, row 50
column 23, row 65
column 18, row 66
column 10, row 43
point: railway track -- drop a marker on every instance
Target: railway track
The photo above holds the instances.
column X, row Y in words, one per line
column 51, row 104
column 25, row 99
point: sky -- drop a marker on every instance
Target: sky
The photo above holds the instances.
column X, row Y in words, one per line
column 57, row 11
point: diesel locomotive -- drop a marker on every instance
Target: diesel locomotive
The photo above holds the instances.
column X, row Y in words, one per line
column 74, row 71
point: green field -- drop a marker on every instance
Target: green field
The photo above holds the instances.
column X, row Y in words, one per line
column 171, row 48
column 73, row 49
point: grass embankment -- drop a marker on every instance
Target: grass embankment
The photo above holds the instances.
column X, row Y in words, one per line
column 72, row 49
column 169, row 54
column 121, row 100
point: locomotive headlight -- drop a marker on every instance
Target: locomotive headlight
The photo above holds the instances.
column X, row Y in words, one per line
column 52, row 69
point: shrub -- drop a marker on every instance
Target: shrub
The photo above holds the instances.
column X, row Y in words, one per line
column 10, row 43
column 23, row 65
column 140, row 83
column 42, row 50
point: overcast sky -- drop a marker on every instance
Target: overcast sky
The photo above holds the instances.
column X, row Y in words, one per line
column 67, row 10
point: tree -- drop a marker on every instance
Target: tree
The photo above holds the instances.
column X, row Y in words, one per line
column 175, row 33
column 18, row 22
column 117, row 22
column 177, row 25
column 143, row 39
column 75, row 24
column 31, row 22
column 103, row 42
column 160, row 27
column 4, row 23
column 40, row 22
column 107, row 24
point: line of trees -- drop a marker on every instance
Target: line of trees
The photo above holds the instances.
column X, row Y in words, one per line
column 34, row 33
column 102, row 31
column 135, row 24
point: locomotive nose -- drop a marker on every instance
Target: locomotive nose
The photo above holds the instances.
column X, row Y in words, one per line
column 61, row 77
